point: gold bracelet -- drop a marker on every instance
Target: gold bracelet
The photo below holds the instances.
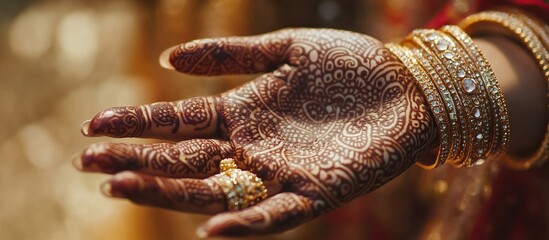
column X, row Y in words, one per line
column 468, row 89
column 471, row 88
column 446, row 89
column 497, row 104
column 528, row 32
column 538, row 27
column 451, row 101
column 462, row 92
column 433, row 100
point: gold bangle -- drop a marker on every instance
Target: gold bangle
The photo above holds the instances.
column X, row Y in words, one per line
column 478, row 109
column 446, row 90
column 467, row 87
column 471, row 90
column 461, row 91
column 419, row 39
column 501, row 128
column 433, row 100
column 537, row 26
column 515, row 27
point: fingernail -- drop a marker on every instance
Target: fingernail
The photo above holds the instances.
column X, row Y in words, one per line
column 201, row 233
column 85, row 129
column 165, row 59
column 122, row 185
column 106, row 188
column 109, row 191
column 77, row 161
column 86, row 162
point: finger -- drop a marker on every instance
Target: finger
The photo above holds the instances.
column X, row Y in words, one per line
column 185, row 119
column 188, row 195
column 276, row 214
column 229, row 55
column 196, row 158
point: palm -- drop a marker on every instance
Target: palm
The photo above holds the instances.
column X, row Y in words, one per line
column 338, row 117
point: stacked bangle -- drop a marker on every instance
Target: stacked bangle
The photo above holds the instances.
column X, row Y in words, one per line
column 433, row 100
column 535, row 37
column 461, row 90
column 497, row 102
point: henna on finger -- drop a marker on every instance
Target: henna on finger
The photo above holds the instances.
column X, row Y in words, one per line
column 231, row 55
column 276, row 214
column 197, row 158
column 188, row 195
column 185, row 119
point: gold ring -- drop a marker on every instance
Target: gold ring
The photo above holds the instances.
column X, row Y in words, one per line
column 242, row 188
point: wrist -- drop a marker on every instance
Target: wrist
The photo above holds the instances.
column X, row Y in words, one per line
column 479, row 99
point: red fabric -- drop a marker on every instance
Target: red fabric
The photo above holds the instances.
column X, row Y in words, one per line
column 448, row 15
column 516, row 208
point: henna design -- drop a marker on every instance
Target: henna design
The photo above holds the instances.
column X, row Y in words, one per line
column 191, row 158
column 164, row 115
column 123, row 122
column 338, row 117
column 342, row 118
column 179, row 120
column 231, row 55
column 190, row 195
column 279, row 211
column 198, row 112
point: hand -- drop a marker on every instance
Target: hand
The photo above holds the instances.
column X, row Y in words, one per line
column 338, row 116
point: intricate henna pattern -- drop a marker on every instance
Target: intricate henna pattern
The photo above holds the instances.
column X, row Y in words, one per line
column 338, row 117
column 123, row 122
column 231, row 55
column 275, row 215
column 192, row 158
column 164, row 115
column 189, row 195
column 342, row 118
column 168, row 120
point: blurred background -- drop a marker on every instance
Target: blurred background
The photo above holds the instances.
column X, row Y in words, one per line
column 63, row 61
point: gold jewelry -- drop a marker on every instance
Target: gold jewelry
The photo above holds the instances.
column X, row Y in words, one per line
column 468, row 87
column 242, row 189
column 456, row 79
column 486, row 130
column 501, row 129
column 451, row 101
column 535, row 37
column 227, row 164
column 433, row 100
column 423, row 40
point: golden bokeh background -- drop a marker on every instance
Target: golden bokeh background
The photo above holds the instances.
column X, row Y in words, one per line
column 63, row 61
